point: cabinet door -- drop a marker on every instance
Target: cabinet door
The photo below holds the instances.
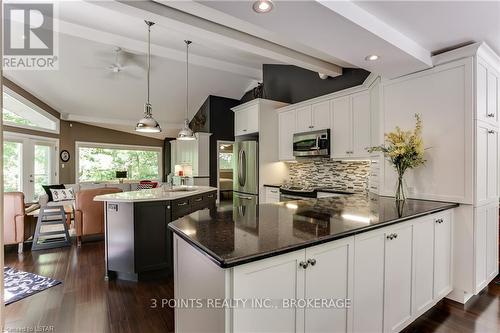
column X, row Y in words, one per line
column 275, row 278
column 480, row 246
column 423, row 264
column 368, row 298
column 341, row 127
column 286, row 128
column 240, row 122
column 482, row 92
column 272, row 194
column 361, row 124
column 481, row 163
column 329, row 276
column 304, row 119
column 252, row 119
column 442, row 255
column 321, row 115
column 492, row 95
column 492, row 178
column 492, row 242
column 398, row 275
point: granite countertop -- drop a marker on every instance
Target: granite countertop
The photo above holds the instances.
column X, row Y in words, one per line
column 156, row 194
column 232, row 237
column 272, row 185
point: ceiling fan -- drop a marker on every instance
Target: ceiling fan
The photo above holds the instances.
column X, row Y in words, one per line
column 124, row 63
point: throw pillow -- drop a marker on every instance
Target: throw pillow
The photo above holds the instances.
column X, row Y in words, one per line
column 145, row 186
column 63, row 194
column 47, row 189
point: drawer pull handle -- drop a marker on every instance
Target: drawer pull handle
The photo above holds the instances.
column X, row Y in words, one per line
column 312, row 262
column 303, row 264
column 274, row 191
column 198, row 200
column 182, row 204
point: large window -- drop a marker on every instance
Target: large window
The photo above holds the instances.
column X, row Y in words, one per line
column 19, row 112
column 99, row 162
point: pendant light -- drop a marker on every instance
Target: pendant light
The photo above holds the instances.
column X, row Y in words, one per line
column 148, row 124
column 186, row 133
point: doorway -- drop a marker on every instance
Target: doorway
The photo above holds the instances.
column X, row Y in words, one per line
column 225, row 165
column 29, row 162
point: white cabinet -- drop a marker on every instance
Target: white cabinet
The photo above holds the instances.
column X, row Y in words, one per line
column 488, row 96
column 246, row 120
column 368, row 297
column 443, row 251
column 486, row 240
column 398, row 277
column 272, row 194
column 341, row 133
column 194, row 153
column 275, row 278
column 487, row 164
column 319, row 272
column 286, row 129
column 423, row 265
column 313, row 117
column 329, row 276
column 351, row 125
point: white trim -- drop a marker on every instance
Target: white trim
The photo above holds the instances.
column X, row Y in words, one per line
column 84, row 144
column 36, row 108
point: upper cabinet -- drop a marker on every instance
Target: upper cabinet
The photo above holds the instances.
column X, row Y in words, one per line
column 348, row 114
column 313, row 117
column 351, row 125
column 247, row 115
column 488, row 93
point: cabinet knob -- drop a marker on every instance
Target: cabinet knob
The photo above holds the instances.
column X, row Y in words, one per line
column 312, row 262
column 303, row 264
column 491, row 115
column 392, row 236
column 491, row 131
column 439, row 221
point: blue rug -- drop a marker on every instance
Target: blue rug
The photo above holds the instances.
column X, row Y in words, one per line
column 19, row 284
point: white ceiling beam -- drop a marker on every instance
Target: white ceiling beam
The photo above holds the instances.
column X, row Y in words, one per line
column 113, row 121
column 371, row 23
column 170, row 17
column 157, row 50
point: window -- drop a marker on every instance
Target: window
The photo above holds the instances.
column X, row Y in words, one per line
column 225, row 160
column 12, row 166
column 99, row 162
column 19, row 112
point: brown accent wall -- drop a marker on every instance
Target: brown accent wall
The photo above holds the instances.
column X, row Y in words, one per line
column 70, row 132
column 73, row 131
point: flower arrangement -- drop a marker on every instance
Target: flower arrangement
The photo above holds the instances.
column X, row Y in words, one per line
column 405, row 150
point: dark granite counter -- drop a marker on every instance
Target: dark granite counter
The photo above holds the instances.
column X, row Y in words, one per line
column 232, row 237
column 273, row 185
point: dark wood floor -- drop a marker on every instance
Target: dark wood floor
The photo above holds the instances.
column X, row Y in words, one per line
column 87, row 303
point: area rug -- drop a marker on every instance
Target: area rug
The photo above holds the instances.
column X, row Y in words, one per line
column 19, row 284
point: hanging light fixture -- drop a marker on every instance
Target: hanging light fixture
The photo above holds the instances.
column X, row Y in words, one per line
column 186, row 133
column 148, row 124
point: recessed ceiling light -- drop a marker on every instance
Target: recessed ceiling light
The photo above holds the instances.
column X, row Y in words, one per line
column 371, row 57
column 263, row 6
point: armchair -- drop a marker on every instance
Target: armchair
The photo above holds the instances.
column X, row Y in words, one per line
column 17, row 226
column 89, row 214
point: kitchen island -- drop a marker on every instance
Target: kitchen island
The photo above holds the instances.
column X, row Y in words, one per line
column 137, row 241
column 390, row 262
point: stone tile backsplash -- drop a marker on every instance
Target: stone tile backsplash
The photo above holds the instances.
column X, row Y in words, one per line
column 341, row 175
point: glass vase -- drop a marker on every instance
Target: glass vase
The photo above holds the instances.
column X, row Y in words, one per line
column 400, row 188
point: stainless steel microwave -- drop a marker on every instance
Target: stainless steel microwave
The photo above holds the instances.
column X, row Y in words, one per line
column 313, row 144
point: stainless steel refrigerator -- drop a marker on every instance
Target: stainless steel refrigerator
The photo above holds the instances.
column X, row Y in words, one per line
column 246, row 171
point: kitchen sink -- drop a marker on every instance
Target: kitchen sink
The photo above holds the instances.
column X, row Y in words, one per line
column 181, row 188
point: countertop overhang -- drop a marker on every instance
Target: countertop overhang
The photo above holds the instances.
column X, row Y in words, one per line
column 156, row 194
column 236, row 235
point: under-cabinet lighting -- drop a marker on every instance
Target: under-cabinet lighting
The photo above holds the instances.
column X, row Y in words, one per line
column 356, row 218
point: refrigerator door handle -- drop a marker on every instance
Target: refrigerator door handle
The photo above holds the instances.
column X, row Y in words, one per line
column 244, row 197
column 242, row 168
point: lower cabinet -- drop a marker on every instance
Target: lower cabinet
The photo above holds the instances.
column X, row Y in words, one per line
column 388, row 276
column 486, row 244
column 401, row 272
column 319, row 272
column 272, row 194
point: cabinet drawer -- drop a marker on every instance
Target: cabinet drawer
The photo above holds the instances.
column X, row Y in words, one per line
column 180, row 207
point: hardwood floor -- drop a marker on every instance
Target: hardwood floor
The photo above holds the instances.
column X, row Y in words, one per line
column 87, row 303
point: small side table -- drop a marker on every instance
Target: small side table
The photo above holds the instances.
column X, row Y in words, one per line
column 51, row 216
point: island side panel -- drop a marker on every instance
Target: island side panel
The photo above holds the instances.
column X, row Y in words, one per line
column 197, row 277
column 120, row 238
